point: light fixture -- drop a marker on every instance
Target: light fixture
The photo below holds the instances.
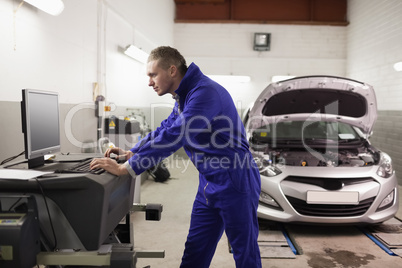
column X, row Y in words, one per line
column 52, row 7
column 224, row 79
column 262, row 41
column 136, row 53
column 277, row 78
column 398, row 66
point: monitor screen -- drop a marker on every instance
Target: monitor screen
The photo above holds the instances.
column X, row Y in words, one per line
column 40, row 125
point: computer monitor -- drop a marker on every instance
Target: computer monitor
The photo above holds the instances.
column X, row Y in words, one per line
column 40, row 125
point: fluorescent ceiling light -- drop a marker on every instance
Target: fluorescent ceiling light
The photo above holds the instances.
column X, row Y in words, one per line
column 52, row 7
column 277, row 78
column 136, row 53
column 230, row 78
column 398, row 66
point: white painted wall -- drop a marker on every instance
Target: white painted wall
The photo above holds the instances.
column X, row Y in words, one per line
column 295, row 50
column 69, row 52
column 374, row 44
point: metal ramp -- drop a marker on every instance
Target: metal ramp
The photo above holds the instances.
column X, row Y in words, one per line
column 387, row 235
column 275, row 242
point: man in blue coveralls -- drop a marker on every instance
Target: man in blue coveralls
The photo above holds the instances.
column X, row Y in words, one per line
column 205, row 122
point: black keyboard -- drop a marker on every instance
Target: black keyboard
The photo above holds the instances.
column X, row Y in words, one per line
column 82, row 167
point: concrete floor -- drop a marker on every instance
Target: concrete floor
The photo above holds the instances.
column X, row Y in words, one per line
column 322, row 246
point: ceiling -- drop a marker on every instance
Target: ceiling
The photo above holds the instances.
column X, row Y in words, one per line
column 308, row 12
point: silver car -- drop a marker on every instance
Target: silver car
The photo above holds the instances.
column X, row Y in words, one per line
column 310, row 138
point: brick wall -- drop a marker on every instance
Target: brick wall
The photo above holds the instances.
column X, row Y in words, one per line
column 374, row 38
column 295, row 50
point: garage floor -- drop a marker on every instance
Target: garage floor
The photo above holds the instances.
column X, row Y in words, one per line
column 320, row 246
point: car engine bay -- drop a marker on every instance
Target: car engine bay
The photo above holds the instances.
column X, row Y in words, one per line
column 360, row 157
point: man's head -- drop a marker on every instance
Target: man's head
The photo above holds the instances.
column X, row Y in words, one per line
column 166, row 68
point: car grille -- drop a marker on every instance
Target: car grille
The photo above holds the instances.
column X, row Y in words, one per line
column 319, row 210
column 329, row 183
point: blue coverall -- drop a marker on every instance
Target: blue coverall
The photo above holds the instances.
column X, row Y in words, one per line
column 206, row 123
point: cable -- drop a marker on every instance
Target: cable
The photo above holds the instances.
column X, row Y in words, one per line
column 48, row 213
column 16, row 202
column 11, row 158
column 14, row 24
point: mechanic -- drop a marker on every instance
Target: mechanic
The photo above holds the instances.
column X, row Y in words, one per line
column 206, row 123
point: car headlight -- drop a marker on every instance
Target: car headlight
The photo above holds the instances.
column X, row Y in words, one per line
column 385, row 170
column 266, row 167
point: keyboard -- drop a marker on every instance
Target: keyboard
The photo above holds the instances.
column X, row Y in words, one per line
column 82, row 167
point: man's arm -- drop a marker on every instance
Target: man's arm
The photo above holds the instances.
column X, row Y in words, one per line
column 201, row 108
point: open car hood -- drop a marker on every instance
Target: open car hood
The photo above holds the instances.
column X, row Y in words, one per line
column 316, row 98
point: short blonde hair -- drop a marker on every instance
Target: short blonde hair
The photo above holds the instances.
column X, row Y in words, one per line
column 168, row 56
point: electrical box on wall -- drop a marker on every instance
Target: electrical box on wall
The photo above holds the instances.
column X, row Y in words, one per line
column 115, row 125
column 262, row 41
column 122, row 133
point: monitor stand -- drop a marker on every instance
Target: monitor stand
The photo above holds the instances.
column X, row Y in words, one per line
column 36, row 162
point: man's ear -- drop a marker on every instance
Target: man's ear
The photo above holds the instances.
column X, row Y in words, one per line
column 173, row 70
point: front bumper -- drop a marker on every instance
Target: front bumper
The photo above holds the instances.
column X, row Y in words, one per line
column 291, row 196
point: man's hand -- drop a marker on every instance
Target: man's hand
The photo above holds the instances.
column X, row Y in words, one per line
column 109, row 165
column 120, row 153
